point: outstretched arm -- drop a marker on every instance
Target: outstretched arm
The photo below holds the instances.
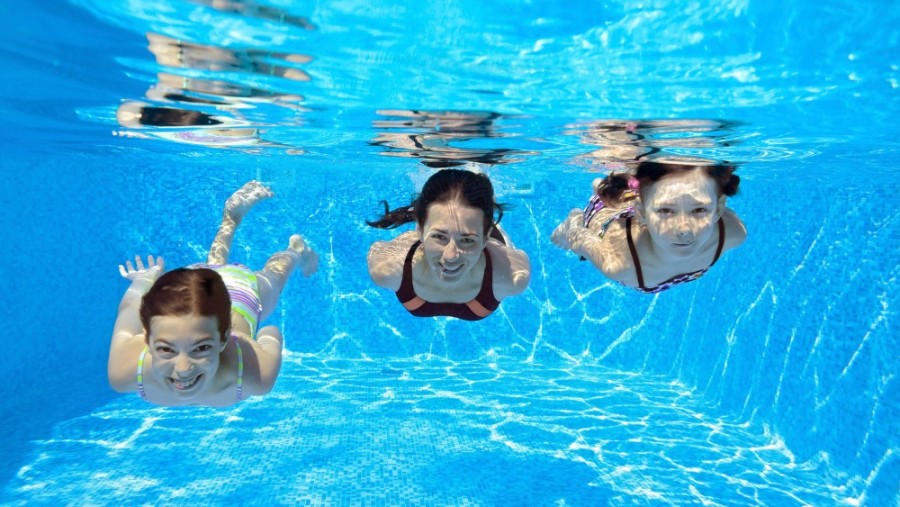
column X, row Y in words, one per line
column 385, row 259
column 572, row 235
column 126, row 342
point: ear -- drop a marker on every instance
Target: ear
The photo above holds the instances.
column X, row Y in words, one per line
column 720, row 207
column 639, row 211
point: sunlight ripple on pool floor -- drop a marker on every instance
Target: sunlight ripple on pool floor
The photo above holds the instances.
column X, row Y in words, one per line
column 429, row 432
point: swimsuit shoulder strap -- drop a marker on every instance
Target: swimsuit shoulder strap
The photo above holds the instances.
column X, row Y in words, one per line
column 634, row 255
column 240, row 377
column 406, row 290
column 486, row 294
column 721, row 240
column 140, row 374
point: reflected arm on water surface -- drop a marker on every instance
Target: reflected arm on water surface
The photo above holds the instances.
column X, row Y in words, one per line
column 253, row 9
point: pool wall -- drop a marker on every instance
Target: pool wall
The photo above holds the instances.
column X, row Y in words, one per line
column 785, row 333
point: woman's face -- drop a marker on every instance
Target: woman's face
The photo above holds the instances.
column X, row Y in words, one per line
column 680, row 211
column 453, row 239
column 185, row 351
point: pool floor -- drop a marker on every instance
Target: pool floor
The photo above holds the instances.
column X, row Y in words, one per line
column 426, row 431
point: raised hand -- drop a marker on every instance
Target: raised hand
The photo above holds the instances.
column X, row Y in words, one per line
column 151, row 272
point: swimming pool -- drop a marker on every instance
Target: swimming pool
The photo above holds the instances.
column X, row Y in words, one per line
column 771, row 381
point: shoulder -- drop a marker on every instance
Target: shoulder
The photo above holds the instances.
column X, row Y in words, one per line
column 265, row 353
column 735, row 231
column 510, row 268
column 385, row 259
column 121, row 368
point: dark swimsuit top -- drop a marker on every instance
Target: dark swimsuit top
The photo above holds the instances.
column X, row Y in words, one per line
column 483, row 305
column 677, row 279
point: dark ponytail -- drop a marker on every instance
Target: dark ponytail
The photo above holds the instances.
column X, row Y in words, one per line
column 391, row 219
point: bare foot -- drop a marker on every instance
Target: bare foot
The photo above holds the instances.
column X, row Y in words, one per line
column 245, row 198
column 309, row 261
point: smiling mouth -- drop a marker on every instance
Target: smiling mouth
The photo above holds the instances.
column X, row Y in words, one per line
column 450, row 271
column 683, row 245
column 182, row 385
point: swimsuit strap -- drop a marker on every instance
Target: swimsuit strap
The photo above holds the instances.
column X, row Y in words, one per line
column 634, row 255
column 406, row 292
column 486, row 296
column 240, row 379
column 140, row 374
column 637, row 262
column 721, row 241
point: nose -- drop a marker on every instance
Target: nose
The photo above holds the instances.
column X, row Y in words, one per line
column 451, row 252
column 683, row 227
column 183, row 364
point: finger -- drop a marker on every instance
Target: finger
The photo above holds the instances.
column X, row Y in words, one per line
column 130, row 267
column 122, row 271
column 139, row 262
column 151, row 262
column 161, row 263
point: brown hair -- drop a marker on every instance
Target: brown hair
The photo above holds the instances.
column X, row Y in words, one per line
column 472, row 188
column 186, row 291
column 647, row 173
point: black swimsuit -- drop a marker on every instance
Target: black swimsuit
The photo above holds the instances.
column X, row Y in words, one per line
column 483, row 305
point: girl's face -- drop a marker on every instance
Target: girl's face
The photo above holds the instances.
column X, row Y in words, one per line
column 185, row 351
column 680, row 211
column 453, row 239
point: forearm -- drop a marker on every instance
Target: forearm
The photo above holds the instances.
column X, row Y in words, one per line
column 135, row 292
column 586, row 243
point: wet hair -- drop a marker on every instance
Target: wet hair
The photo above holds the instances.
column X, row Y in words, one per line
column 186, row 291
column 612, row 188
column 172, row 117
column 471, row 188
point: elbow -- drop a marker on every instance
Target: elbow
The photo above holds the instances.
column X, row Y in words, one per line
column 521, row 281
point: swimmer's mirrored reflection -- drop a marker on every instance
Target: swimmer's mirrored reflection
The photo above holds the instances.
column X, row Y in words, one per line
column 621, row 144
column 458, row 262
column 658, row 225
column 438, row 138
column 203, row 96
column 191, row 336
column 256, row 10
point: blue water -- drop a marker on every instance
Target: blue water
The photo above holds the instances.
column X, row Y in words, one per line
column 771, row 381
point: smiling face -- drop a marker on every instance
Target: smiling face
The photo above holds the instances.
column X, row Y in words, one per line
column 185, row 351
column 453, row 240
column 680, row 211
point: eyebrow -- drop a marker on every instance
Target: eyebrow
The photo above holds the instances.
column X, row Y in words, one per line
column 473, row 234
column 695, row 201
column 196, row 342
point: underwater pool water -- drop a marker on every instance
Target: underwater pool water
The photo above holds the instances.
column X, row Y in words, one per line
column 773, row 380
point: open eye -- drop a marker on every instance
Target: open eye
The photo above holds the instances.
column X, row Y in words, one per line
column 440, row 237
column 162, row 349
column 665, row 211
column 467, row 242
column 204, row 348
column 700, row 211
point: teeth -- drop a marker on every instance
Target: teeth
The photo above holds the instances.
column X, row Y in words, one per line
column 184, row 385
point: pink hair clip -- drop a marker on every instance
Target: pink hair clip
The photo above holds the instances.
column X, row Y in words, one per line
column 633, row 183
